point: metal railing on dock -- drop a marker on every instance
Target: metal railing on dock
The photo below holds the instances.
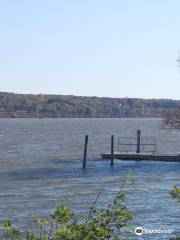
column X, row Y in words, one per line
column 129, row 144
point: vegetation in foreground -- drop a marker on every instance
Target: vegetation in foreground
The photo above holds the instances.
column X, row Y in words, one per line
column 175, row 194
column 100, row 224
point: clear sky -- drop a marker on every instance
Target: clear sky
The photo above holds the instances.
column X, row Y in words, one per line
column 115, row 48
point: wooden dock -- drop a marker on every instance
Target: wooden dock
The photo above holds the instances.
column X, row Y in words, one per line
column 139, row 149
column 142, row 156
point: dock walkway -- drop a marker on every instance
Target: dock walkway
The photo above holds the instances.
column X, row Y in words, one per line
column 143, row 156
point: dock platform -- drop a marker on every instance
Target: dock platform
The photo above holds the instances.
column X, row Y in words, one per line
column 142, row 156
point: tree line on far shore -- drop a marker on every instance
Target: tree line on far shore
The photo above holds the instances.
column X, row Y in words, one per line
column 68, row 106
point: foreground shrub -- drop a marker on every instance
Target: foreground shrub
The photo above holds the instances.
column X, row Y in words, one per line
column 100, row 223
column 175, row 194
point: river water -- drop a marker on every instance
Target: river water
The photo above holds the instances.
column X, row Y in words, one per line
column 41, row 166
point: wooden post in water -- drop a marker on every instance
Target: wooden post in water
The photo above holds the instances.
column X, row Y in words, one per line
column 85, row 151
column 138, row 150
column 112, row 150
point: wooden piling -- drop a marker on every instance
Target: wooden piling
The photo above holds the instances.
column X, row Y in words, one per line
column 138, row 150
column 85, row 151
column 112, row 150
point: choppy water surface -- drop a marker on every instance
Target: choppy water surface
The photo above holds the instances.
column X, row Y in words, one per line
column 40, row 166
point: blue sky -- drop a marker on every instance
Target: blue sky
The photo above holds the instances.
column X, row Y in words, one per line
column 117, row 48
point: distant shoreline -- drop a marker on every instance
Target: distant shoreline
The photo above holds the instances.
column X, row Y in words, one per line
column 67, row 106
column 139, row 117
